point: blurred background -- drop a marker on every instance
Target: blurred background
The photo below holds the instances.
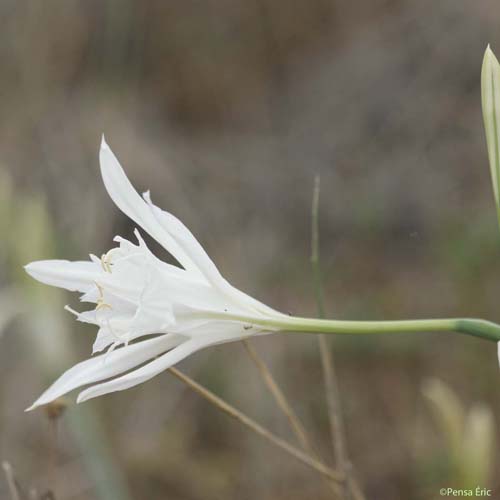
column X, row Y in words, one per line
column 227, row 110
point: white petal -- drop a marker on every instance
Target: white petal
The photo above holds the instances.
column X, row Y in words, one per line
column 190, row 245
column 131, row 204
column 73, row 276
column 103, row 339
column 107, row 365
column 185, row 239
column 144, row 373
column 170, row 232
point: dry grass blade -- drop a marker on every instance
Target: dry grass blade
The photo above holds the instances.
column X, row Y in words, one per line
column 280, row 398
column 285, row 407
column 257, row 428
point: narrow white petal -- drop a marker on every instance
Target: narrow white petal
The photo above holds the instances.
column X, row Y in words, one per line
column 131, row 204
column 144, row 373
column 190, row 245
column 103, row 339
column 254, row 305
column 171, row 233
column 107, row 365
column 74, row 276
column 185, row 239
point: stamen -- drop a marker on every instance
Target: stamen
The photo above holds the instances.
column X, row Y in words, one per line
column 72, row 311
column 100, row 301
column 102, row 305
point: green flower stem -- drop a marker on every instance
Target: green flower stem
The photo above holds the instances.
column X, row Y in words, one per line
column 476, row 327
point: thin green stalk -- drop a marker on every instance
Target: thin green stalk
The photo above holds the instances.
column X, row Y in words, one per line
column 332, row 395
column 295, row 324
column 316, row 270
column 109, row 481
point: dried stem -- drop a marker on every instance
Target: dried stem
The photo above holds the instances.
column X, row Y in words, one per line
column 330, row 380
column 284, row 405
column 257, row 428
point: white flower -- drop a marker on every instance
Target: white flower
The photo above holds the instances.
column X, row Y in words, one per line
column 150, row 314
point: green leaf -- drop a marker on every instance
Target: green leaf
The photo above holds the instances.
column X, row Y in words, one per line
column 490, row 96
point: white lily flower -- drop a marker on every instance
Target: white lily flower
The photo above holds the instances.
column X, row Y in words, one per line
column 150, row 314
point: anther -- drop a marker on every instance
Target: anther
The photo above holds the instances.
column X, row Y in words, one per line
column 100, row 301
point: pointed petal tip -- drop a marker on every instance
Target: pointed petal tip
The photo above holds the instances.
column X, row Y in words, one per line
column 489, row 55
column 82, row 397
column 36, row 405
column 104, row 144
column 31, row 269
